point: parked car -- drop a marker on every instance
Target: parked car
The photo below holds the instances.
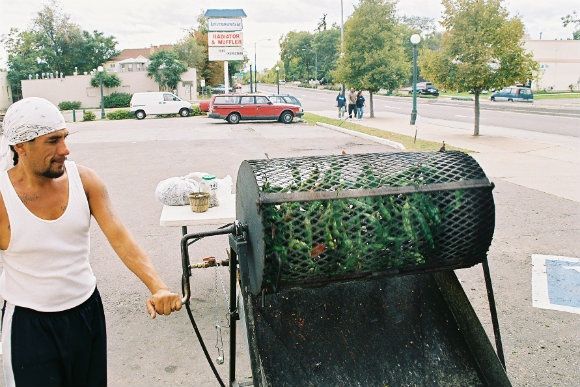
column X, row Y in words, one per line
column 221, row 89
column 237, row 86
column 425, row 88
column 513, row 93
column 282, row 81
column 143, row 104
column 280, row 98
column 236, row 107
column 204, row 105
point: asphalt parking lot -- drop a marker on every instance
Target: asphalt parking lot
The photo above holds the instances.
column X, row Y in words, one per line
column 132, row 157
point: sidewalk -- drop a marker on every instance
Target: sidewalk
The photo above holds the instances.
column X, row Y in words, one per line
column 548, row 163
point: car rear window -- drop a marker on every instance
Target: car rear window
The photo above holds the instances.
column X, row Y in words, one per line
column 246, row 100
column 226, row 100
column 262, row 100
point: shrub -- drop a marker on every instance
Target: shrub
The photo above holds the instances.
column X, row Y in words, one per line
column 197, row 111
column 109, row 80
column 121, row 114
column 89, row 116
column 117, row 100
column 69, row 105
column 333, row 87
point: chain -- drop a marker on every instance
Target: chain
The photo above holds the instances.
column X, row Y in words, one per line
column 219, row 345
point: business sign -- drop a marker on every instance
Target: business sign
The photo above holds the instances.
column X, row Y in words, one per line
column 224, row 39
column 224, row 24
column 225, row 53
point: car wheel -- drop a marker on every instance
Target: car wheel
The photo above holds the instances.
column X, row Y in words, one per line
column 287, row 117
column 140, row 114
column 184, row 112
column 233, row 118
column 510, row 100
column 492, row 99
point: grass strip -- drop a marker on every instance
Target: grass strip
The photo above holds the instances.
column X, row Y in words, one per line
column 407, row 141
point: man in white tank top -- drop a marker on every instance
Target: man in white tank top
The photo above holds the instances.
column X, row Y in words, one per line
column 49, row 289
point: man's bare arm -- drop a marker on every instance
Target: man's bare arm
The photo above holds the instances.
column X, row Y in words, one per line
column 125, row 245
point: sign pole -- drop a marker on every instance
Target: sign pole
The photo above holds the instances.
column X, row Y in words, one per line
column 226, row 78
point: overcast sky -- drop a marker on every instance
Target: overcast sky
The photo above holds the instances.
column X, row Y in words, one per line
column 138, row 24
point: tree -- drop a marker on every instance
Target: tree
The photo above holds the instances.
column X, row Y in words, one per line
column 165, row 69
column 190, row 52
column 575, row 20
column 296, row 53
column 109, row 80
column 326, row 45
column 54, row 45
column 322, row 23
column 481, row 49
column 374, row 55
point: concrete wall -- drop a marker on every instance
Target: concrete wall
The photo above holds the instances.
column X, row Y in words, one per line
column 5, row 92
column 78, row 87
column 559, row 62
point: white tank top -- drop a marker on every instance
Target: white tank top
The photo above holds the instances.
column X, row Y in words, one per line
column 46, row 264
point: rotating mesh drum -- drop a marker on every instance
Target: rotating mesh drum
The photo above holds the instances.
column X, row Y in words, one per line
column 315, row 220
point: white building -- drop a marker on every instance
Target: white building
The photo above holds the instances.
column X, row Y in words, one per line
column 5, row 91
column 559, row 62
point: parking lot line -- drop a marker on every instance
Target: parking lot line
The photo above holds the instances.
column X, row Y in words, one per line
column 556, row 283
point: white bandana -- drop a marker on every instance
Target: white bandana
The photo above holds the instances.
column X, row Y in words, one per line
column 26, row 120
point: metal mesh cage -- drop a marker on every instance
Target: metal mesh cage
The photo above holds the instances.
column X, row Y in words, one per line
column 331, row 218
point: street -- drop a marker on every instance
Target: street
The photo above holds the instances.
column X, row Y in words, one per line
column 557, row 116
column 541, row 346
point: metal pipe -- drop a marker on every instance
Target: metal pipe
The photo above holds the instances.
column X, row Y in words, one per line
column 414, row 111
column 493, row 311
column 304, row 196
column 233, row 315
column 185, row 284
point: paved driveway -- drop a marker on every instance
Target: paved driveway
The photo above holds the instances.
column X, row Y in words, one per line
column 132, row 156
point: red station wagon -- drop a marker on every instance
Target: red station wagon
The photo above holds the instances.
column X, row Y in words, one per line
column 236, row 107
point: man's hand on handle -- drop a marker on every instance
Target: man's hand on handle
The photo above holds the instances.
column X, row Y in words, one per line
column 163, row 302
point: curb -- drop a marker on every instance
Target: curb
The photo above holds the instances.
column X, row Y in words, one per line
column 363, row 135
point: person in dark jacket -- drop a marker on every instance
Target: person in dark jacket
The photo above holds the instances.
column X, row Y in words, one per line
column 360, row 103
column 341, row 103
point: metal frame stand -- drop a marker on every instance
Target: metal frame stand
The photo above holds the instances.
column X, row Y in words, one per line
column 493, row 312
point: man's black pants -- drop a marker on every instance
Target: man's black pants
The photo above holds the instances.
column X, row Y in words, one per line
column 351, row 108
column 67, row 348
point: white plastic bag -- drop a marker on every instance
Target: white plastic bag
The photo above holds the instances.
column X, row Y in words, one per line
column 175, row 191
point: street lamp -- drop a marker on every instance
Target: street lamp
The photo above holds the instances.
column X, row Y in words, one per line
column 342, row 35
column 256, row 62
column 251, row 79
column 415, row 39
column 100, row 70
column 278, row 78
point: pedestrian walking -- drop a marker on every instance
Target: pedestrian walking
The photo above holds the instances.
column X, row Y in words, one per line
column 53, row 322
column 341, row 104
column 351, row 102
column 360, row 103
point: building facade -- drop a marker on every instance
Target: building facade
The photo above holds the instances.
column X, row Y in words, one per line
column 78, row 87
column 5, row 91
column 559, row 62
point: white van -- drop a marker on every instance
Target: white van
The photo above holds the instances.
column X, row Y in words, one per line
column 143, row 104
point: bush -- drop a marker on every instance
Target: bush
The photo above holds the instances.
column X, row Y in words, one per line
column 122, row 114
column 333, row 87
column 109, row 80
column 89, row 116
column 197, row 111
column 69, row 105
column 117, row 100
